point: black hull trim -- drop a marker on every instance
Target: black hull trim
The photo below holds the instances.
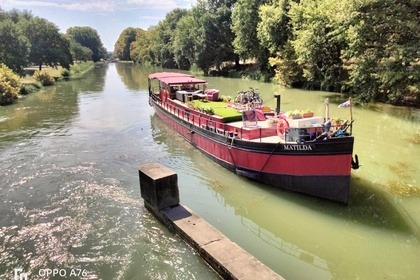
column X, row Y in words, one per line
column 335, row 188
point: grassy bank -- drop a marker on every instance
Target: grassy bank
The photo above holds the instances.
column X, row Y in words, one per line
column 58, row 73
column 12, row 87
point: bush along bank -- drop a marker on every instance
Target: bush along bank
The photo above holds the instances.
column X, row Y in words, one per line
column 12, row 86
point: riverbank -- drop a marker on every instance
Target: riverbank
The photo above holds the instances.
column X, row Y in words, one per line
column 34, row 80
column 59, row 73
column 251, row 70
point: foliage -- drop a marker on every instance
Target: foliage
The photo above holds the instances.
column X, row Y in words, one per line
column 65, row 73
column 122, row 47
column 368, row 48
column 244, row 25
column 161, row 47
column 44, row 77
column 139, row 51
column 89, row 38
column 318, row 42
column 26, row 89
column 79, row 52
column 288, row 72
column 9, row 85
column 383, row 54
column 80, row 68
column 186, row 41
column 26, row 39
column 273, row 29
column 14, row 46
column 48, row 46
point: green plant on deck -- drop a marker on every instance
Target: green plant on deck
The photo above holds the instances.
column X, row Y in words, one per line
column 226, row 98
column 206, row 109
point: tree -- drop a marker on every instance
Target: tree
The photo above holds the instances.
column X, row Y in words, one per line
column 14, row 46
column 88, row 37
column 383, row 52
column 273, row 29
column 162, row 51
column 139, row 49
column 219, row 31
column 79, row 52
column 123, row 45
column 319, row 41
column 245, row 19
column 185, row 41
column 48, row 46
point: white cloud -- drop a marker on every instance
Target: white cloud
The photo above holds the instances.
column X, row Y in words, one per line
column 68, row 5
column 100, row 5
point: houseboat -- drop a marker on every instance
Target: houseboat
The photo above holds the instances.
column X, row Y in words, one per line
column 295, row 151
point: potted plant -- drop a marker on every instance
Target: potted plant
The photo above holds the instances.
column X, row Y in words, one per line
column 308, row 113
column 336, row 122
column 296, row 114
column 272, row 122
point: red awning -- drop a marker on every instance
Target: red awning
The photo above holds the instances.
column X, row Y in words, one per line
column 171, row 78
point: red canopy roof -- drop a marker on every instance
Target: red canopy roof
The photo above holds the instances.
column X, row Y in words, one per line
column 172, row 78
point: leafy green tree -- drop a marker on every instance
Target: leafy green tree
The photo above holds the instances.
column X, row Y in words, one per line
column 383, row 52
column 123, row 44
column 273, row 29
column 89, row 38
column 245, row 20
column 318, row 42
column 139, row 49
column 48, row 46
column 14, row 46
column 186, row 41
column 79, row 52
column 219, row 31
column 162, row 51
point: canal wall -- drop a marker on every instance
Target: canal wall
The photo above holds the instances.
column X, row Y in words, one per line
column 159, row 189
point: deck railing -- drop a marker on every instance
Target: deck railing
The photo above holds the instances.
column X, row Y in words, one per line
column 216, row 125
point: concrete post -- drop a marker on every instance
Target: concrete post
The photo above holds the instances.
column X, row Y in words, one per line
column 158, row 186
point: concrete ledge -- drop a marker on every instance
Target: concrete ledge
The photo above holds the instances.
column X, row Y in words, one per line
column 223, row 255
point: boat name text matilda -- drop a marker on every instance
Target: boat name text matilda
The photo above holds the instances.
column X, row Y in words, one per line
column 298, row 147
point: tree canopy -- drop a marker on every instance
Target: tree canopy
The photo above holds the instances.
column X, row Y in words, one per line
column 368, row 48
column 89, row 38
column 26, row 39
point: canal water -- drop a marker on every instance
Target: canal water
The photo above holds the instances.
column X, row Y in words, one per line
column 70, row 197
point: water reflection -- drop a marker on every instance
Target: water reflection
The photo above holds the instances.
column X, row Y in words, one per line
column 134, row 76
column 69, row 194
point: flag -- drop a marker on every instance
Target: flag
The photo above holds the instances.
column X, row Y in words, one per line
column 345, row 104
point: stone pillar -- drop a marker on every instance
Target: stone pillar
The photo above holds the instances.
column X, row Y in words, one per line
column 158, row 186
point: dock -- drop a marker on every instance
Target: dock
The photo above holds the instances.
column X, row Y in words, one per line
column 159, row 189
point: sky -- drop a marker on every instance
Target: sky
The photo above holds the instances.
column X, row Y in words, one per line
column 108, row 17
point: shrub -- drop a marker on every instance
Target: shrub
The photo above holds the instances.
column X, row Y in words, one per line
column 44, row 77
column 26, row 89
column 65, row 73
column 9, row 85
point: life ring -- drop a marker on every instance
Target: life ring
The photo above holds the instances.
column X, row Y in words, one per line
column 282, row 127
